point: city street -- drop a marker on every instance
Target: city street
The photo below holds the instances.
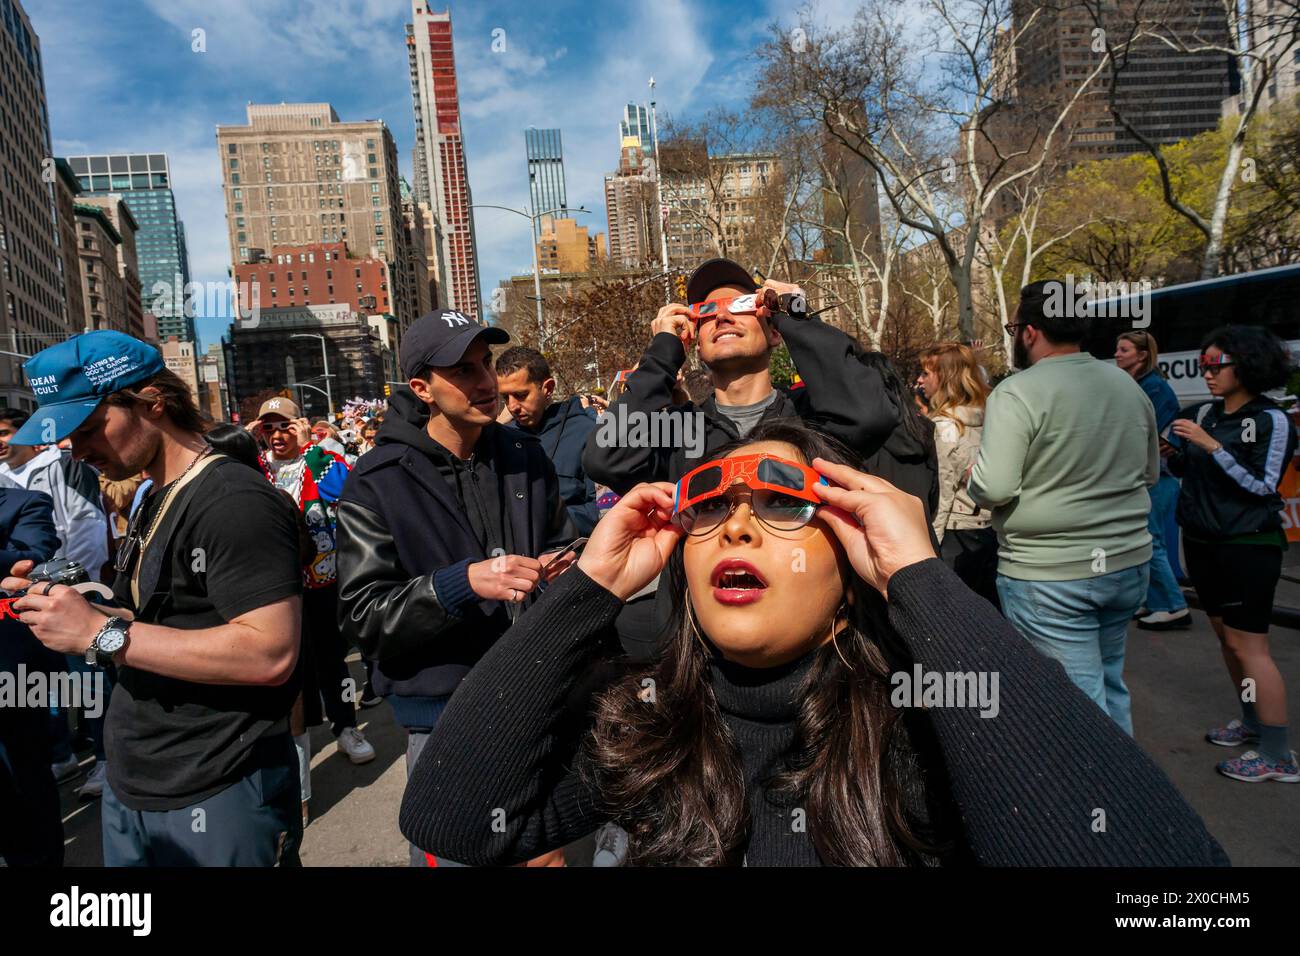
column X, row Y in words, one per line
column 1179, row 689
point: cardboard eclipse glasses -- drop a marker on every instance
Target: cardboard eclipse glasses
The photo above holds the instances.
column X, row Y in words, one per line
column 781, row 493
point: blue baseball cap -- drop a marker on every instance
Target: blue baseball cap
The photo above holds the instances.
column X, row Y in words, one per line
column 71, row 379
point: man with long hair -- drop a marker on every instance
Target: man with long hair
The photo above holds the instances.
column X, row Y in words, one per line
column 201, row 767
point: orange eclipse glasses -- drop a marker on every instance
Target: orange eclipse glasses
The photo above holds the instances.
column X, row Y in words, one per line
column 779, row 492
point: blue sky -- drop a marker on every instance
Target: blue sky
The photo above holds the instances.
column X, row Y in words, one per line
column 122, row 76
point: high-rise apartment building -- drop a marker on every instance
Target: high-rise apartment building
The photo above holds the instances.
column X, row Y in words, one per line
column 66, row 191
column 1271, row 28
column 441, row 174
column 297, row 175
column 144, row 182
column 632, row 209
column 34, row 309
column 545, row 175
column 110, row 287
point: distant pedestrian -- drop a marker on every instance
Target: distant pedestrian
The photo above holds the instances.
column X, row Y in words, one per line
column 1165, row 608
column 1231, row 453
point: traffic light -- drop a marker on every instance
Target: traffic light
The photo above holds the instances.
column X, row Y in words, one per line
column 679, row 287
column 388, row 390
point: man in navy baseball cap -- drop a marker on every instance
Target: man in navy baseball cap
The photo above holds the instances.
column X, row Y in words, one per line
column 441, row 338
column 71, row 379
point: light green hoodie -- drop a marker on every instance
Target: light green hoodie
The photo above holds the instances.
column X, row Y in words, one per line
column 1068, row 450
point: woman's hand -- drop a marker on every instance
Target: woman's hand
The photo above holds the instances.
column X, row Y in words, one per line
column 881, row 528
column 632, row 542
column 1188, row 430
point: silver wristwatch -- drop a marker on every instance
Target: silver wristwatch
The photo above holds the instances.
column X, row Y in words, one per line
column 110, row 639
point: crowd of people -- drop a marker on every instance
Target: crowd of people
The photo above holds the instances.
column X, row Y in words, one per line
column 690, row 652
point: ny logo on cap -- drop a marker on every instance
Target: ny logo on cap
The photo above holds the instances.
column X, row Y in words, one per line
column 454, row 319
column 273, row 403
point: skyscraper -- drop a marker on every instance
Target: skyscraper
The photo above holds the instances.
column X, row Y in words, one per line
column 1166, row 93
column 441, row 175
column 33, row 281
column 545, row 174
column 635, row 123
column 144, row 182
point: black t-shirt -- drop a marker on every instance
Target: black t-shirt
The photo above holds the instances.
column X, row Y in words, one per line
column 229, row 546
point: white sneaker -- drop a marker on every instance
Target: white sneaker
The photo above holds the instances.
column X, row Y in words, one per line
column 94, row 785
column 358, row 749
column 65, row 770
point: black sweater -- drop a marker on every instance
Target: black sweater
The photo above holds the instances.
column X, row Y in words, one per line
column 495, row 783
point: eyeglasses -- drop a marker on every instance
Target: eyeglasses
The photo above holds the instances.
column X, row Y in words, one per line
column 779, row 493
column 270, row 428
column 1213, row 366
column 1012, row 326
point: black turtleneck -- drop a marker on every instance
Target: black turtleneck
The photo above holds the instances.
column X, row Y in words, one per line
column 760, row 707
column 496, row 782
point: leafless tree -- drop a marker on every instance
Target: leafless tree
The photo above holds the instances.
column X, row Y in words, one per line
column 1255, row 38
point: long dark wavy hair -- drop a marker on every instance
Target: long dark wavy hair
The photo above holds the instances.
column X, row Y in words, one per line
column 670, row 772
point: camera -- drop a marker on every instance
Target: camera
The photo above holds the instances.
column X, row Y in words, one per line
column 59, row 571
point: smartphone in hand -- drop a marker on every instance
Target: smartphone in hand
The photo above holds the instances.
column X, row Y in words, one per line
column 559, row 560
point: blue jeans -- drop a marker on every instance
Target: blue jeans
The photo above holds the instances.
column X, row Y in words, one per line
column 1084, row 625
column 1163, row 593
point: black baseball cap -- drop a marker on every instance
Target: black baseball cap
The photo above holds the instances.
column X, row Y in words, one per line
column 709, row 275
column 441, row 338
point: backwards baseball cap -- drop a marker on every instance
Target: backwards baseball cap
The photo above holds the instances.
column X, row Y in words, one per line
column 718, row 272
column 441, row 338
column 71, row 379
column 278, row 405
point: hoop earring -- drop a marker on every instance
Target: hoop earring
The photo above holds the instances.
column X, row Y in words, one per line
column 843, row 609
column 695, row 627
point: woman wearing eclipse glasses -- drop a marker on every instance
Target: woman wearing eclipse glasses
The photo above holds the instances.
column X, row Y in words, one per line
column 1231, row 453
column 765, row 733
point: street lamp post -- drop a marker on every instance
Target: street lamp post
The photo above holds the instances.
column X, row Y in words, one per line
column 329, row 392
column 533, row 219
column 659, row 193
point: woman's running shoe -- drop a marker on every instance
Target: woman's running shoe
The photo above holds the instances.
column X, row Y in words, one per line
column 1232, row 734
column 1252, row 768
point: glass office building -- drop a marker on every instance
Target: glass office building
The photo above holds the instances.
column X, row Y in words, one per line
column 545, row 174
column 144, row 181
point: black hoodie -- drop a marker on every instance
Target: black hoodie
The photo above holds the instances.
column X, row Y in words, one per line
column 411, row 519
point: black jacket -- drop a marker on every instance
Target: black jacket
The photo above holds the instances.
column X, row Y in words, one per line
column 563, row 434
column 910, row 464
column 840, row 397
column 1025, row 789
column 1234, row 491
column 401, row 522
